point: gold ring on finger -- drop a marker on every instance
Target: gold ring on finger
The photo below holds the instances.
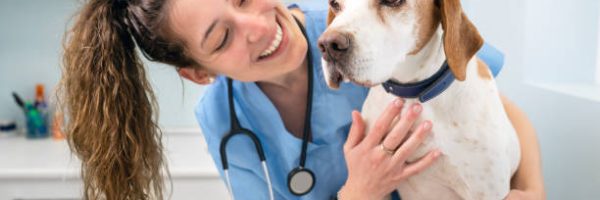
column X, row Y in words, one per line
column 387, row 150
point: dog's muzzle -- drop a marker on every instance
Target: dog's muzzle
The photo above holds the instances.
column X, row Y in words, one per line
column 336, row 49
column 334, row 46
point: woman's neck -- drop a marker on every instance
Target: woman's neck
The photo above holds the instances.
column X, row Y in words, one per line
column 291, row 81
column 288, row 92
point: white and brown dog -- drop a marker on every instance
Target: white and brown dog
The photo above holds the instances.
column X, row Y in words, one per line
column 372, row 41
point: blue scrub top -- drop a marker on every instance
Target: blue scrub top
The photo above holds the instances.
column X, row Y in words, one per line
column 331, row 119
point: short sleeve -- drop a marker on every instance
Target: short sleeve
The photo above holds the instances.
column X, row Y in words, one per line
column 492, row 57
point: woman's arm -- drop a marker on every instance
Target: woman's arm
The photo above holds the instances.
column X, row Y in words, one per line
column 527, row 182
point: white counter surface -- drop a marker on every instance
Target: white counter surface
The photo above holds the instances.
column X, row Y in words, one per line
column 46, row 169
column 22, row 158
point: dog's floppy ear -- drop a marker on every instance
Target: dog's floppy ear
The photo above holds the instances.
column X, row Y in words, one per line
column 461, row 38
column 330, row 16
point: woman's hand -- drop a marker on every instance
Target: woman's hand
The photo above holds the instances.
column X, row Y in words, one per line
column 515, row 194
column 377, row 163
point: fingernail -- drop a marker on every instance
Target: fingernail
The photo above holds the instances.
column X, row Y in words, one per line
column 398, row 102
column 437, row 153
column 427, row 125
column 417, row 108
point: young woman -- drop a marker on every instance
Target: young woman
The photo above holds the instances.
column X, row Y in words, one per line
column 277, row 91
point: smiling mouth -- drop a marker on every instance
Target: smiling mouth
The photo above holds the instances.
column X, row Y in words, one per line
column 275, row 44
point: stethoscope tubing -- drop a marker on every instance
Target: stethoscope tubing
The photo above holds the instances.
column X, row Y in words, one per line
column 237, row 129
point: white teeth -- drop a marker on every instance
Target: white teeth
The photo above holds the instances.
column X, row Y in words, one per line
column 274, row 44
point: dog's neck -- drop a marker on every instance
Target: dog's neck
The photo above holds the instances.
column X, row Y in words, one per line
column 424, row 64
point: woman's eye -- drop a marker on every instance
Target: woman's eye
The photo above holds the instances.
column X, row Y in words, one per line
column 392, row 3
column 241, row 3
column 223, row 41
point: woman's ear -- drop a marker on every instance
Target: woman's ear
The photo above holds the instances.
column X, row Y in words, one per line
column 196, row 75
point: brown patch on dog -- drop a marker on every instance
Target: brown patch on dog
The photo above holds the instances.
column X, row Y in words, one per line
column 379, row 10
column 330, row 16
column 461, row 38
column 428, row 20
column 483, row 70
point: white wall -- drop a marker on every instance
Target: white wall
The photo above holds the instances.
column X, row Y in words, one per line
column 30, row 48
column 551, row 49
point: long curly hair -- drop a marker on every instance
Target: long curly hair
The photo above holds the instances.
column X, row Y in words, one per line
column 108, row 101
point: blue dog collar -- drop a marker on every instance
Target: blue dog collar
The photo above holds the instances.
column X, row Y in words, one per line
column 424, row 90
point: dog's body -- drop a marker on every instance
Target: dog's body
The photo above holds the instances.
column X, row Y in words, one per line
column 480, row 147
column 479, row 144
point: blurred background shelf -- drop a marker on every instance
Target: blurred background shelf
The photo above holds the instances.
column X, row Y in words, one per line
column 45, row 169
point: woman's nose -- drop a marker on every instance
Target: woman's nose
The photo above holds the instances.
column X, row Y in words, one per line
column 255, row 25
column 257, row 18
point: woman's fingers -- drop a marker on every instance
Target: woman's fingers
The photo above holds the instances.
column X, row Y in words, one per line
column 357, row 131
column 420, row 165
column 375, row 169
column 411, row 144
column 400, row 130
column 381, row 126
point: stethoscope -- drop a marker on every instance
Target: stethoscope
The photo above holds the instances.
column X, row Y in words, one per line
column 300, row 180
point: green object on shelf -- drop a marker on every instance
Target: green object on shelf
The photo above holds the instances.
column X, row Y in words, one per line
column 36, row 122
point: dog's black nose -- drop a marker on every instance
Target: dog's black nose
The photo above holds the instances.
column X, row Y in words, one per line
column 334, row 45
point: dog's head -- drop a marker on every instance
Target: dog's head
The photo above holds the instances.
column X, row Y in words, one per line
column 369, row 40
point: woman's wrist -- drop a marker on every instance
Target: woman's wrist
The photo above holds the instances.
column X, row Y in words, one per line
column 349, row 192
column 346, row 194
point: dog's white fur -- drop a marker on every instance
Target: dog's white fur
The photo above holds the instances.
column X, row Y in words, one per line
column 479, row 145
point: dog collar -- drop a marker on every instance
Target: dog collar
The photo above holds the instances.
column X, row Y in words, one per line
column 424, row 90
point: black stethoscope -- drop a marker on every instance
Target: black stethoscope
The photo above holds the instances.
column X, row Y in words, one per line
column 300, row 180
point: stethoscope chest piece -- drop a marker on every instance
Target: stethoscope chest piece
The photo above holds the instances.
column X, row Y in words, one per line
column 301, row 181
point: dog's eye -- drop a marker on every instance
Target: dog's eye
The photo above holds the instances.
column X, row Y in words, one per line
column 335, row 6
column 392, row 3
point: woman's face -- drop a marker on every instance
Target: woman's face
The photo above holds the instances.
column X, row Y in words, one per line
column 247, row 40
